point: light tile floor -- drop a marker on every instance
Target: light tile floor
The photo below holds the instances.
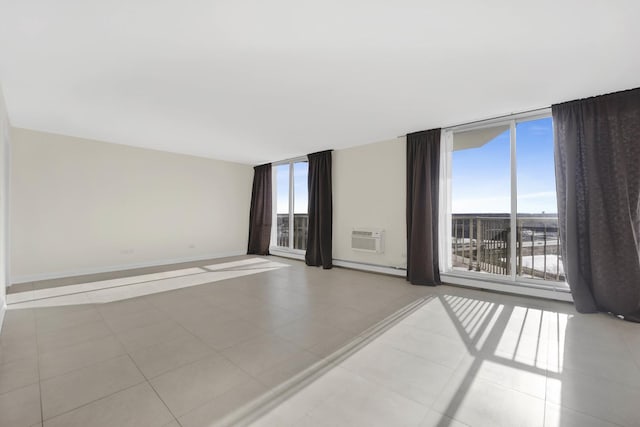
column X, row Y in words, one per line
column 177, row 345
column 472, row 358
column 192, row 354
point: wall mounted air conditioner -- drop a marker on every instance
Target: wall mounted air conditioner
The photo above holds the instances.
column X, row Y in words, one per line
column 367, row 240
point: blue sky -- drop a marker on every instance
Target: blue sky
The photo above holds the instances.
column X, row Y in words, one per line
column 300, row 195
column 481, row 176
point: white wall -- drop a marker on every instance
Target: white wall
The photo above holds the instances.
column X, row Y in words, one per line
column 4, row 206
column 81, row 206
column 369, row 190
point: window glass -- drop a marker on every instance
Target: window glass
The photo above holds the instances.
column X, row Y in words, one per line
column 481, row 207
column 481, row 202
column 538, row 242
column 300, row 200
column 282, row 204
column 291, row 205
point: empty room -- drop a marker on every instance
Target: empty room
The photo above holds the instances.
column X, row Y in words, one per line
column 319, row 213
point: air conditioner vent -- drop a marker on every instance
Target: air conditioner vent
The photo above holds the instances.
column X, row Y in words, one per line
column 367, row 240
column 362, row 233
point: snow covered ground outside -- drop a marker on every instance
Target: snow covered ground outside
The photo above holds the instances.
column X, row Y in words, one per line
column 538, row 263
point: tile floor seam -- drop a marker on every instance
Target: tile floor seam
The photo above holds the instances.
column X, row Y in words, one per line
column 138, row 368
column 39, row 394
column 585, row 413
column 39, row 377
column 23, row 385
column 76, row 344
column 512, row 390
column 289, row 340
column 93, row 401
column 334, row 361
column 87, row 306
column 391, row 389
column 561, row 406
column 163, row 402
column 244, row 371
column 142, row 373
column 467, row 343
column 185, row 330
column 107, row 395
column 13, row 390
column 176, row 367
column 546, row 379
column 542, row 401
column 242, row 341
column 307, row 411
column 53, row 315
column 496, row 382
column 208, row 402
column 83, row 341
column 546, row 402
column 465, row 309
column 599, row 378
column 136, row 365
column 422, row 357
column 42, row 380
column 635, row 360
column 267, row 383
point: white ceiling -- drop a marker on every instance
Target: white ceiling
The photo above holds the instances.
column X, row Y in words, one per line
column 255, row 81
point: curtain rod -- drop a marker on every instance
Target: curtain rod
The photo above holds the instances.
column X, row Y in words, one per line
column 492, row 119
column 302, row 158
column 289, row 160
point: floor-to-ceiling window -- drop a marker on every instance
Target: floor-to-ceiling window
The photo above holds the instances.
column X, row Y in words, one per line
column 502, row 202
column 291, row 198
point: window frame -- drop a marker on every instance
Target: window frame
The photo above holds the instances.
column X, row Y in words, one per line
column 509, row 283
column 273, row 246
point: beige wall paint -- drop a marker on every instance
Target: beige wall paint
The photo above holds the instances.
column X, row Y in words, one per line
column 369, row 190
column 4, row 176
column 81, row 205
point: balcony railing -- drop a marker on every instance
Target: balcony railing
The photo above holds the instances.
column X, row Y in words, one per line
column 300, row 230
column 482, row 243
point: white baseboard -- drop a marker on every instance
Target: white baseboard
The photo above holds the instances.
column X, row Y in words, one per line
column 372, row 268
column 519, row 289
column 299, row 255
column 511, row 288
column 3, row 309
column 108, row 269
column 525, row 289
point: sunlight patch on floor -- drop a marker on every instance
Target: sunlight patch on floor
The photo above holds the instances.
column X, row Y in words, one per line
column 130, row 287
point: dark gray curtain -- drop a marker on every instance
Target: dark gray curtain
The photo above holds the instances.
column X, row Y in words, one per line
column 319, row 241
column 423, row 175
column 260, row 213
column 597, row 159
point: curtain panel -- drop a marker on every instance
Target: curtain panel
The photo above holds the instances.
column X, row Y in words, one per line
column 319, row 240
column 260, row 213
column 597, row 160
column 423, row 175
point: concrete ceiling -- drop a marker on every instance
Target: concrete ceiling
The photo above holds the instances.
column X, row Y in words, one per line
column 257, row 81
